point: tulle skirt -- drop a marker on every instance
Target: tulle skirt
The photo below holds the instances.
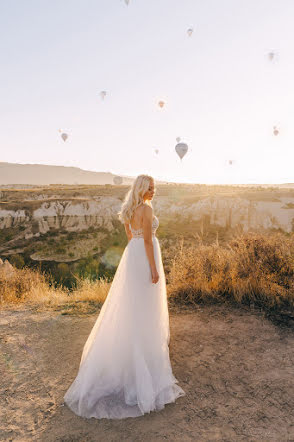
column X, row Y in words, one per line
column 125, row 368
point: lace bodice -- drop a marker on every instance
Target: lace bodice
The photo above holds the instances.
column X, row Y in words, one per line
column 138, row 233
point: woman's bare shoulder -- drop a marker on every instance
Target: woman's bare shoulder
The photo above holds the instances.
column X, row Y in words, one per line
column 147, row 210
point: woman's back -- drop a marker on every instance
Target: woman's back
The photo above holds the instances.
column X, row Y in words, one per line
column 137, row 218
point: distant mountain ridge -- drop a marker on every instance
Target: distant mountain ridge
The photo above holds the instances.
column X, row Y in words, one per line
column 280, row 186
column 41, row 174
column 45, row 174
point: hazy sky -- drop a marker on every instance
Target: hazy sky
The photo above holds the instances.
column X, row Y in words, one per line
column 223, row 95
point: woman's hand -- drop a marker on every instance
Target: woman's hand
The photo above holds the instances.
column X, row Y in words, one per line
column 155, row 276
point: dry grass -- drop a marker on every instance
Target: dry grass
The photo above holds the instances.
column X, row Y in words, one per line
column 252, row 269
column 27, row 286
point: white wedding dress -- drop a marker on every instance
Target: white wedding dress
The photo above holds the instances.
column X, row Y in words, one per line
column 125, row 368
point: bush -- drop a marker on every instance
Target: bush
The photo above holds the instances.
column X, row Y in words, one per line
column 21, row 284
column 60, row 250
column 71, row 235
column 30, row 286
column 88, row 268
column 252, row 269
column 17, row 261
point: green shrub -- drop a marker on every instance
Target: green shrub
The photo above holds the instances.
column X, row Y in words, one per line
column 60, row 249
column 17, row 261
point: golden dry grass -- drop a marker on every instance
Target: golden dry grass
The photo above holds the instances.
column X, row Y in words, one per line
column 32, row 287
column 253, row 269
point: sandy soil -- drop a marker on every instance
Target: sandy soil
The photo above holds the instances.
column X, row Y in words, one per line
column 235, row 366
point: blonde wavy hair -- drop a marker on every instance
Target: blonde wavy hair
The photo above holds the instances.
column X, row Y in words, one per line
column 134, row 198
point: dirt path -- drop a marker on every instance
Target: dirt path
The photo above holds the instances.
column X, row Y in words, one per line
column 235, row 366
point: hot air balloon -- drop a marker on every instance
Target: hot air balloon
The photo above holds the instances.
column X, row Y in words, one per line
column 161, row 103
column 181, row 149
column 275, row 131
column 117, row 180
column 103, row 94
column 230, row 162
column 271, row 56
column 156, row 151
column 64, row 136
column 190, row 32
column 178, row 139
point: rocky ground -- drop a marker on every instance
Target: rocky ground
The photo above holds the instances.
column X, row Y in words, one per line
column 235, row 366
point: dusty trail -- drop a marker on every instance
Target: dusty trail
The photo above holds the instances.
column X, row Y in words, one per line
column 235, row 366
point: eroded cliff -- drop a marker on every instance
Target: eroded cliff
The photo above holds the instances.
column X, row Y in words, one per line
column 23, row 221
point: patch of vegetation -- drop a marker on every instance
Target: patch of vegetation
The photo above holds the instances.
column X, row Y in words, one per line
column 60, row 250
column 7, row 234
column 17, row 261
column 251, row 269
column 191, row 230
column 71, row 235
column 116, row 238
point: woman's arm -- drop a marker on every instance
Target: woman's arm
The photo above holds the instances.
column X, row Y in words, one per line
column 128, row 231
column 147, row 234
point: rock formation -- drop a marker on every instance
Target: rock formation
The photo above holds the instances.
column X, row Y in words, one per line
column 75, row 215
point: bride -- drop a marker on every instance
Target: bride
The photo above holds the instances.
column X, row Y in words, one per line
column 125, row 368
